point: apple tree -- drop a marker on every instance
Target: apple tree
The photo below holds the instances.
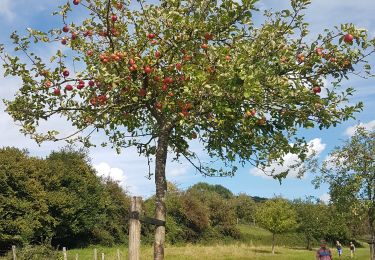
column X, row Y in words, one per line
column 156, row 75
column 277, row 216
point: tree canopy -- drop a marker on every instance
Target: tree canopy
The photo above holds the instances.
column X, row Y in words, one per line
column 350, row 172
column 197, row 69
column 277, row 216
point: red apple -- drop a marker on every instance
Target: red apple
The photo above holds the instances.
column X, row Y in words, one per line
column 185, row 113
column 69, row 87
column 151, row 35
column 178, row 66
column 65, row 29
column 76, row 2
column 88, row 33
column 93, row 101
column 319, row 51
column 74, row 36
column 65, row 73
column 164, row 87
column 193, row 135
column 208, row 36
column 187, row 57
column 204, row 46
column 158, row 105
column 114, row 18
column 91, row 83
column 154, row 42
column 168, row 80
column 300, row 58
column 102, row 99
column 103, row 33
column 348, row 38
column 81, row 84
column 133, row 68
column 56, row 91
column 157, row 78
column 48, row 84
column 157, row 54
column 228, row 58
column 131, row 61
column 147, row 69
column 317, row 89
column 89, row 53
column 63, row 41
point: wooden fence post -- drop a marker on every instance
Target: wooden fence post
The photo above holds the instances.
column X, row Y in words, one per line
column 95, row 254
column 76, row 256
column 118, row 254
column 14, row 252
column 64, row 253
column 135, row 228
column 102, row 256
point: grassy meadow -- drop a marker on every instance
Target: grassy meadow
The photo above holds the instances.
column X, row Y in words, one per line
column 222, row 252
column 255, row 244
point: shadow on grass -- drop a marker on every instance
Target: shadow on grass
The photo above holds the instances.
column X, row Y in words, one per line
column 263, row 251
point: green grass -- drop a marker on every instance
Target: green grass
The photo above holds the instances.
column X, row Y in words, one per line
column 255, row 244
column 257, row 236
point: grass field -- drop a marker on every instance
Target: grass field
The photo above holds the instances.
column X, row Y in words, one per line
column 255, row 244
column 220, row 252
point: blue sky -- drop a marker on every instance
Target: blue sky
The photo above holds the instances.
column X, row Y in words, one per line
column 130, row 169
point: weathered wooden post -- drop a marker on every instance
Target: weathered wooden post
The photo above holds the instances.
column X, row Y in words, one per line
column 118, row 254
column 76, row 256
column 64, row 253
column 14, row 252
column 102, row 256
column 95, row 254
column 135, row 228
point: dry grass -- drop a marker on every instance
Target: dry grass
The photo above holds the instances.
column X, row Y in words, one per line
column 217, row 252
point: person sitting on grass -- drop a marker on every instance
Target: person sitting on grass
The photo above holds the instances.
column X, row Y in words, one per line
column 324, row 253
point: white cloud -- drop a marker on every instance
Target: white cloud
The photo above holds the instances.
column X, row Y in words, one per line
column 106, row 171
column 325, row 198
column 5, row 9
column 315, row 145
column 177, row 170
column 368, row 126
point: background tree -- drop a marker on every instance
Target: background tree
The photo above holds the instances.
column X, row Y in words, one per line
column 58, row 201
column 349, row 171
column 23, row 201
column 245, row 208
column 313, row 219
column 277, row 216
column 156, row 76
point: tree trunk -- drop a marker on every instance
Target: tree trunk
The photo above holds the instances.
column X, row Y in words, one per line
column 372, row 242
column 161, row 188
column 273, row 244
column 308, row 247
column 372, row 232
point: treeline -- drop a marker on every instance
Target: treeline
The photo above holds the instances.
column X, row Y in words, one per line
column 59, row 200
